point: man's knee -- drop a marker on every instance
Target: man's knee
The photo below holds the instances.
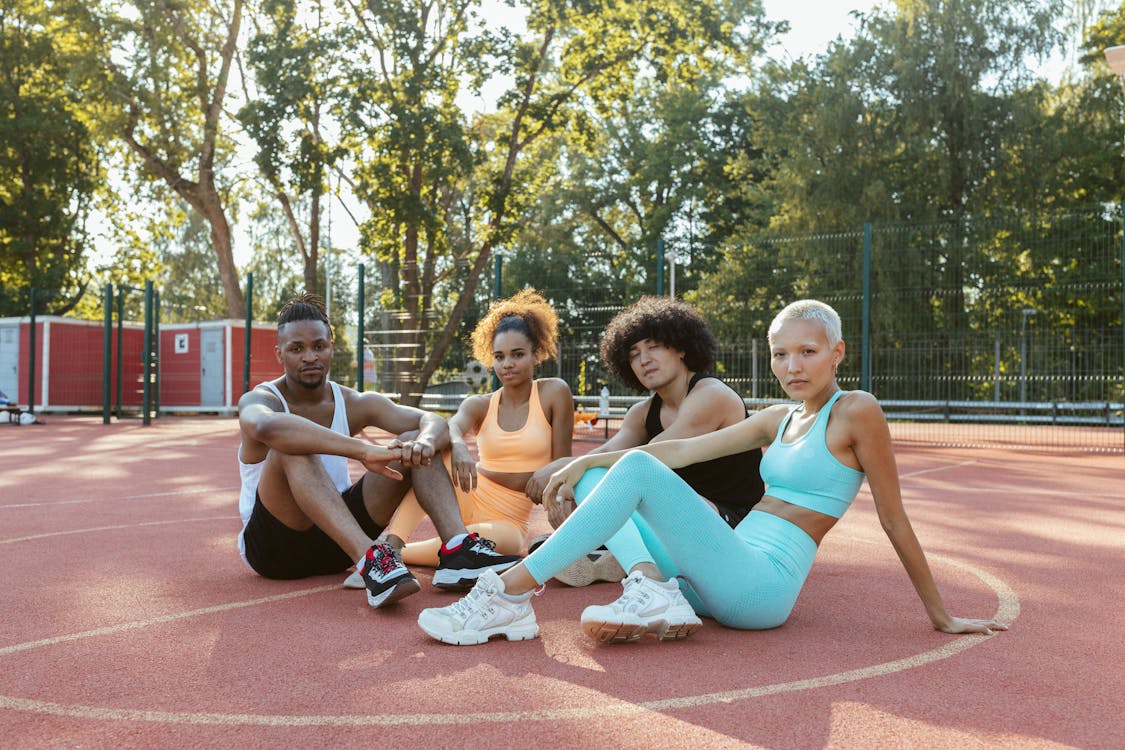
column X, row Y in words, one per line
column 289, row 462
column 428, row 474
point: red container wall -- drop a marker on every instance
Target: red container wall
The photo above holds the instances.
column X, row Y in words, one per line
column 263, row 360
column 132, row 368
column 74, row 363
column 75, row 357
column 179, row 370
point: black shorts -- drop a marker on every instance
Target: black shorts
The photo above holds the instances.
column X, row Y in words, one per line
column 732, row 514
column 276, row 551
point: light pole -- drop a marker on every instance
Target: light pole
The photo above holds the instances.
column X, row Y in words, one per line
column 671, row 258
column 1023, row 350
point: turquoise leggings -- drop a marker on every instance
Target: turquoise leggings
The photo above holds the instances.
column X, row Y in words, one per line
column 747, row 577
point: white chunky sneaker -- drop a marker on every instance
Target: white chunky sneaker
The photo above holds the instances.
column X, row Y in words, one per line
column 483, row 612
column 647, row 606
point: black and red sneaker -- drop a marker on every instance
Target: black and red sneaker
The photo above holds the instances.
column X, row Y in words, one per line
column 459, row 568
column 387, row 579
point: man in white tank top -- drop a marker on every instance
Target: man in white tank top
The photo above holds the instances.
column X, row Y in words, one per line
column 301, row 514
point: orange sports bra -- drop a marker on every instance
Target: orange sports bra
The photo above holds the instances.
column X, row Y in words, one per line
column 523, row 450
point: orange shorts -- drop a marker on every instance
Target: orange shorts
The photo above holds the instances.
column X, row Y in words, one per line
column 493, row 502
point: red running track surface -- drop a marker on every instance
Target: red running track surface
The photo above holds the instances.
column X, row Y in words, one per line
column 128, row 620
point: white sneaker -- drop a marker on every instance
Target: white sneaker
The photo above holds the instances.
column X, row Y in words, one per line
column 483, row 612
column 354, row 581
column 647, row 606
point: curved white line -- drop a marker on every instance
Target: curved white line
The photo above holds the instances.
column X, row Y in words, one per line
column 1007, row 611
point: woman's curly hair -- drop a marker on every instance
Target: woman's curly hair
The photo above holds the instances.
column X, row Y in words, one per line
column 526, row 312
column 666, row 320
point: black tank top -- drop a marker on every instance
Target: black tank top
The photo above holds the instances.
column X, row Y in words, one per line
column 733, row 482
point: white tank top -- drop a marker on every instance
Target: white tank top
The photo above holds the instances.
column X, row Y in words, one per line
column 336, row 466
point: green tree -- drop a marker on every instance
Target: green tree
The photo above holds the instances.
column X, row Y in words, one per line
column 290, row 55
column 634, row 174
column 156, row 76
column 445, row 191
column 924, row 116
column 48, row 167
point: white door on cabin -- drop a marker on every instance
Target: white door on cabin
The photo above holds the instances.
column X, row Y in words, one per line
column 211, row 368
column 10, row 360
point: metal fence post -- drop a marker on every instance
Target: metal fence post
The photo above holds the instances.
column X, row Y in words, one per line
column 246, row 338
column 497, row 284
column 31, row 356
column 146, row 357
column 360, row 350
column 156, row 365
column 865, row 357
column 107, row 349
column 120, row 348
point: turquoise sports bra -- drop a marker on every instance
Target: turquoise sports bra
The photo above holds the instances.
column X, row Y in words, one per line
column 805, row 473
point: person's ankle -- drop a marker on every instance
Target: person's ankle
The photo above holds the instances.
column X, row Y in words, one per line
column 454, row 541
column 648, row 570
column 391, row 540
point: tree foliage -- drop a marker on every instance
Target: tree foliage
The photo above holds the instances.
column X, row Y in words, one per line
column 291, row 55
column 48, row 167
column 929, row 113
column 155, row 75
column 444, row 191
column 606, row 128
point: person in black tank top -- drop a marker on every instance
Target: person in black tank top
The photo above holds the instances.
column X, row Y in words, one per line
column 662, row 346
column 733, row 484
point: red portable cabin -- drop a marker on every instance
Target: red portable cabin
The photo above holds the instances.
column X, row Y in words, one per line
column 200, row 367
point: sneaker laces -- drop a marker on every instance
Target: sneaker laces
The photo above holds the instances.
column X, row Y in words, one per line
column 635, row 597
column 385, row 561
column 475, row 601
column 483, row 546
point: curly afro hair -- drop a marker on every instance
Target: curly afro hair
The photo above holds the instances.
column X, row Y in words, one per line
column 526, row 312
column 667, row 320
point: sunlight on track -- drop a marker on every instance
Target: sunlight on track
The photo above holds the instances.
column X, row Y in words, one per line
column 1008, row 610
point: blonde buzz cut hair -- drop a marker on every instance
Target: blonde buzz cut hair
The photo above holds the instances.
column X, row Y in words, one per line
column 810, row 309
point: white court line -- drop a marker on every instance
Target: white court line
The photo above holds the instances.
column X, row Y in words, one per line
column 138, row 624
column 920, row 472
column 145, row 496
column 1007, row 611
column 49, row 534
column 995, row 490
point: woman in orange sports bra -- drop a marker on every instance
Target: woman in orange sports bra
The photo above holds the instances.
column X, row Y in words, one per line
column 521, row 427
